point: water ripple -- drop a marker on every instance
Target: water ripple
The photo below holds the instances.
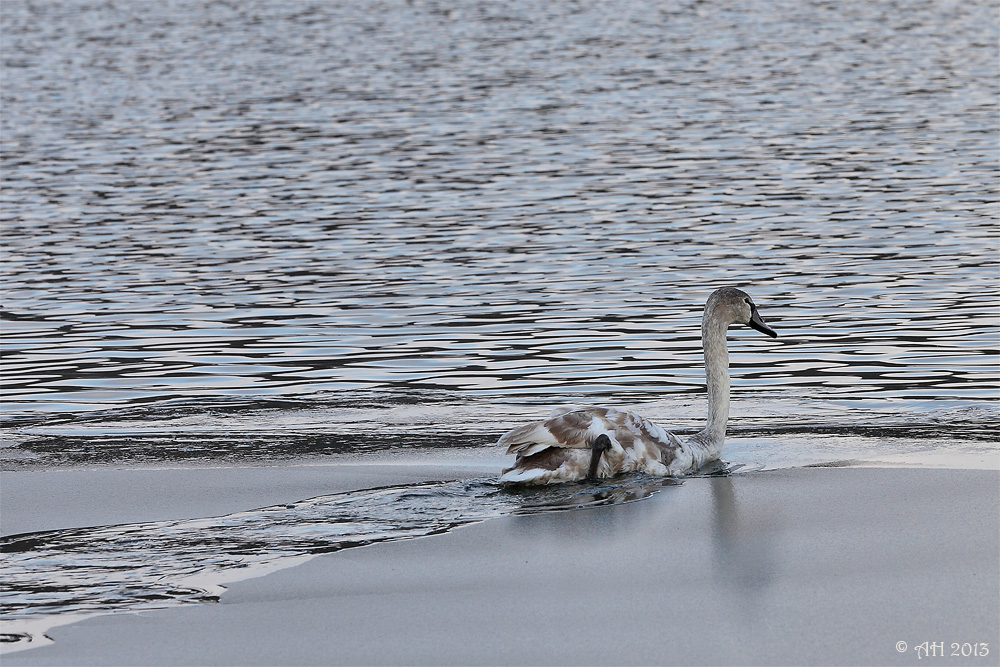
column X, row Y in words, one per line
column 266, row 202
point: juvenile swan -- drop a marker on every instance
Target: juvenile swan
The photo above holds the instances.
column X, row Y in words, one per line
column 602, row 442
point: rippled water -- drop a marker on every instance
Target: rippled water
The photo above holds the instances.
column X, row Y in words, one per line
column 237, row 224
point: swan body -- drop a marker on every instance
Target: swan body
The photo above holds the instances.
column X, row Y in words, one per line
column 597, row 442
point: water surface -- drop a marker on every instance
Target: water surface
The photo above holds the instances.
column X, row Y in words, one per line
column 263, row 229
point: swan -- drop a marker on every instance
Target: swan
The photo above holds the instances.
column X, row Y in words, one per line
column 594, row 443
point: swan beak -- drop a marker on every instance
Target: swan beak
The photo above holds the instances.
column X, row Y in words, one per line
column 757, row 322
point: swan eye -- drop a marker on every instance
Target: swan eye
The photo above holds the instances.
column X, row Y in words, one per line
column 747, row 300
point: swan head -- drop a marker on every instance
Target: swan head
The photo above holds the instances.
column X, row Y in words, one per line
column 734, row 306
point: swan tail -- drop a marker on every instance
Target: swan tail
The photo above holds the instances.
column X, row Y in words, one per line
column 548, row 466
column 528, row 439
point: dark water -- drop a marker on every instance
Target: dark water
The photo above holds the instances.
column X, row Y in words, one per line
column 261, row 230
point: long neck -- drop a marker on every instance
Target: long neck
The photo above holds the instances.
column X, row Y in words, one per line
column 713, row 339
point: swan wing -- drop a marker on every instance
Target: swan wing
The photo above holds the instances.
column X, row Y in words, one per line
column 578, row 428
column 575, row 429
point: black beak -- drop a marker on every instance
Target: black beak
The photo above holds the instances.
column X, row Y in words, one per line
column 757, row 322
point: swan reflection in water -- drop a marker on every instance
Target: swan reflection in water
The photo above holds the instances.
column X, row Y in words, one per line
column 537, row 500
column 743, row 546
column 723, row 551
